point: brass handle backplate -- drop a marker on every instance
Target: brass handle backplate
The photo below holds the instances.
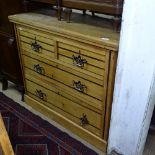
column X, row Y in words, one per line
column 79, row 86
column 35, row 46
column 11, row 40
column 83, row 120
column 38, row 69
column 78, row 61
column 40, row 95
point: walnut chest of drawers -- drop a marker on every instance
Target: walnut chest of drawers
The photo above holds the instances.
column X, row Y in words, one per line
column 68, row 71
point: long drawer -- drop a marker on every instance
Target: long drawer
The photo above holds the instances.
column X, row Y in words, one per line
column 100, row 80
column 85, row 87
column 84, row 117
column 77, row 97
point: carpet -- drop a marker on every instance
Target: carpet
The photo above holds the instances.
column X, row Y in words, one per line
column 31, row 135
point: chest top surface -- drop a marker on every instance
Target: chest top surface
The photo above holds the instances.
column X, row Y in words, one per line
column 93, row 30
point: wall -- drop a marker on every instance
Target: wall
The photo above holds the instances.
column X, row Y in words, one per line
column 132, row 106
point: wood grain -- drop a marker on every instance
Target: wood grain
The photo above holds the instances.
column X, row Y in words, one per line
column 4, row 139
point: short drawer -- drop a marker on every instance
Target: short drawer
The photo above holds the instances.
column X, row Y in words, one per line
column 79, row 84
column 36, row 42
column 84, row 117
column 83, row 58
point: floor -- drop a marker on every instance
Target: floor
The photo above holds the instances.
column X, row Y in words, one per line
column 16, row 96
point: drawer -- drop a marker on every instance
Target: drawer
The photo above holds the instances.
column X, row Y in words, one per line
column 35, row 43
column 88, row 102
column 100, row 80
column 84, row 117
column 83, row 58
column 79, row 84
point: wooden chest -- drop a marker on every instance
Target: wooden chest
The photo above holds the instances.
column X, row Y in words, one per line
column 68, row 71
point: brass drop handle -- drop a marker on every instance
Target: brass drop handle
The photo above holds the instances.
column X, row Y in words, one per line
column 35, row 46
column 79, row 86
column 38, row 69
column 40, row 95
column 83, row 120
column 78, row 61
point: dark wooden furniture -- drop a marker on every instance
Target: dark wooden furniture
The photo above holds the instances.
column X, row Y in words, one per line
column 10, row 69
column 9, row 61
column 45, row 1
column 152, row 125
column 108, row 7
column 48, row 3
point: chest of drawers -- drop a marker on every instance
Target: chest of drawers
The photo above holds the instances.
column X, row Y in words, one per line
column 68, row 72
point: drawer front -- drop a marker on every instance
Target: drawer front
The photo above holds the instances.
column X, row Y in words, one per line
column 35, row 43
column 76, row 83
column 66, row 67
column 67, row 92
column 84, row 117
column 83, row 59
